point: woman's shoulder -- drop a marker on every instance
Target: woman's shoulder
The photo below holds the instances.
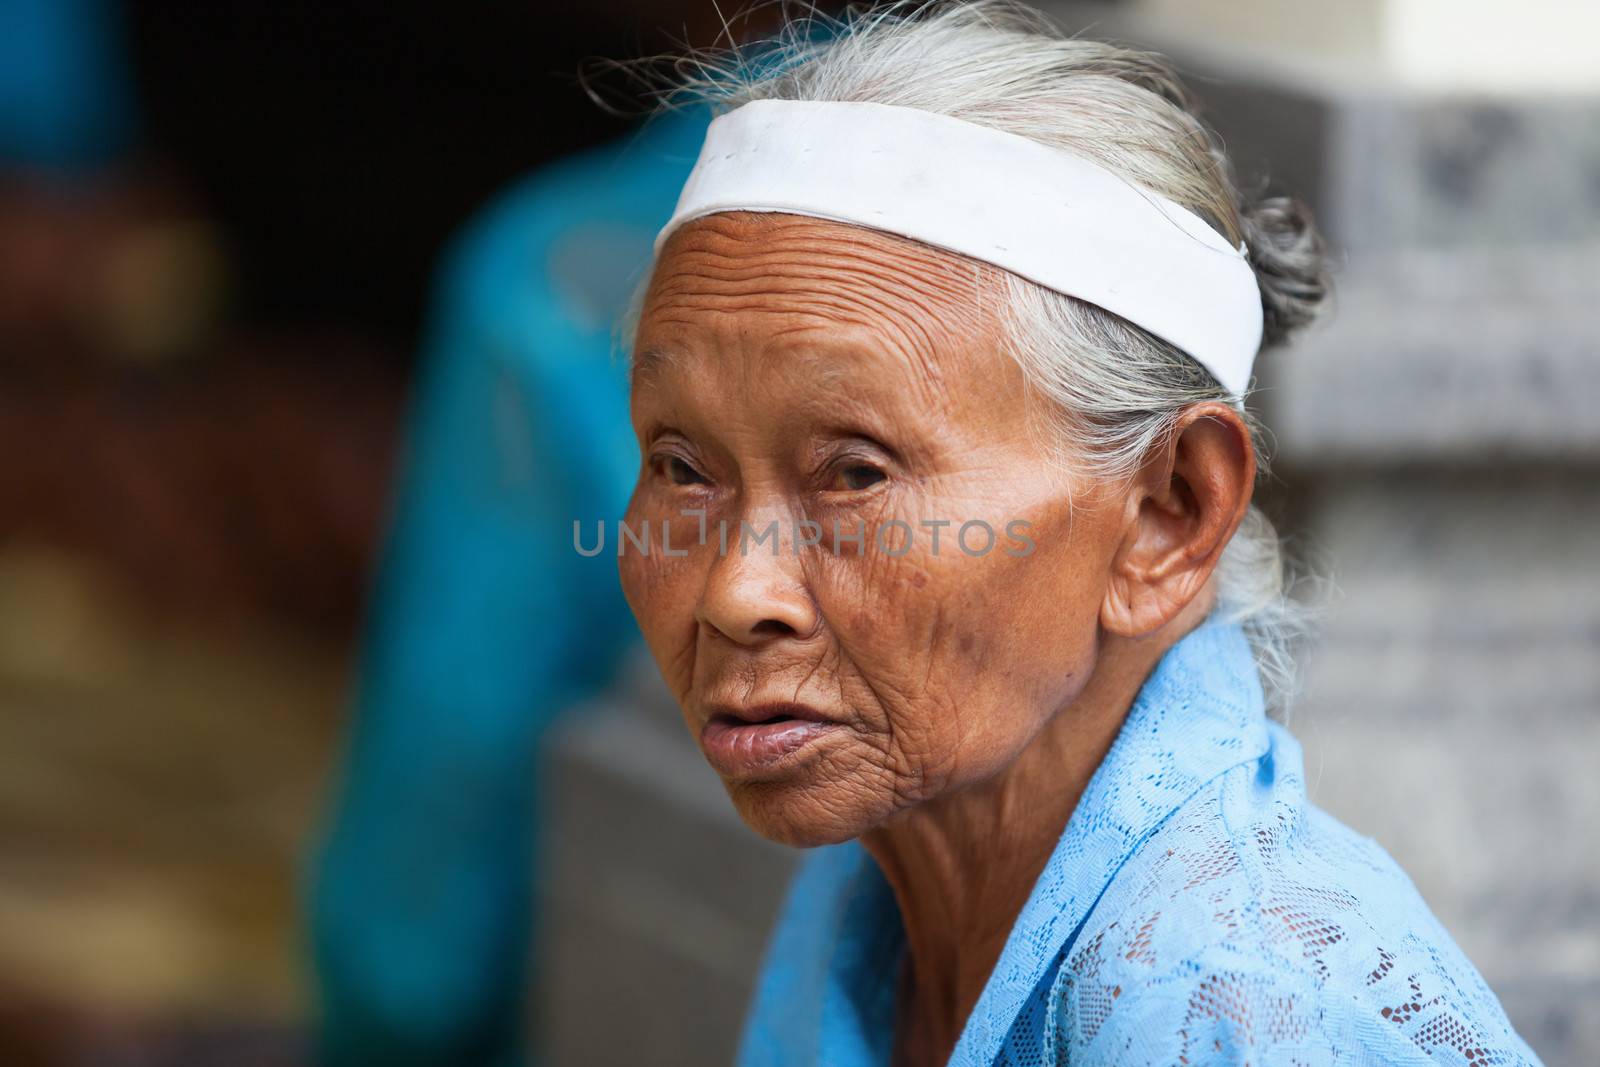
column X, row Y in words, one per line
column 1251, row 920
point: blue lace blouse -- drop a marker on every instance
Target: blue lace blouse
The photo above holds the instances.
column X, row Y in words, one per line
column 1196, row 910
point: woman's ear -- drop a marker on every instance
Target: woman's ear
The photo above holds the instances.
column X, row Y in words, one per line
column 1181, row 509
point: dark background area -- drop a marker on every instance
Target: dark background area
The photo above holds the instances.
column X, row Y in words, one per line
column 205, row 339
column 338, row 145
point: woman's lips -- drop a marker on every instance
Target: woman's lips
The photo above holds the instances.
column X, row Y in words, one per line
column 739, row 745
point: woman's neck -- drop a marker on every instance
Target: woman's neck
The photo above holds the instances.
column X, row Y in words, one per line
column 962, row 866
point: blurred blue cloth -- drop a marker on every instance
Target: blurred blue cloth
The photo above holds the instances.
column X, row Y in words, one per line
column 66, row 97
column 1197, row 909
column 486, row 621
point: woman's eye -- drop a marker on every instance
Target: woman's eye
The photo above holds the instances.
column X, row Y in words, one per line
column 679, row 472
column 857, row 477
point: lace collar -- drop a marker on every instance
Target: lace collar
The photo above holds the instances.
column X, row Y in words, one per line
column 1200, row 713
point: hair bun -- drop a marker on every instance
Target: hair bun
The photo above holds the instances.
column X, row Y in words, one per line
column 1291, row 264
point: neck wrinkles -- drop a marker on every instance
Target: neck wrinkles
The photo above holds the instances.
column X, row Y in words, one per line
column 961, row 867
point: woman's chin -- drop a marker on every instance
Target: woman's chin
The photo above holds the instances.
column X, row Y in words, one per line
column 799, row 816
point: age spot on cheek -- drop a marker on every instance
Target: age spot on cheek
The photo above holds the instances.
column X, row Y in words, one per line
column 975, row 649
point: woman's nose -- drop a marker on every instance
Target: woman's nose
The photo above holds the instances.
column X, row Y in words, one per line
column 756, row 596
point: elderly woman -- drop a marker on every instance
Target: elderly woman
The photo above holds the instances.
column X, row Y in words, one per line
column 938, row 382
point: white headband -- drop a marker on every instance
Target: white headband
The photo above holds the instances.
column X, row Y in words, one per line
column 1036, row 211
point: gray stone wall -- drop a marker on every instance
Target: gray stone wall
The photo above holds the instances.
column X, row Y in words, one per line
column 1438, row 457
column 1451, row 712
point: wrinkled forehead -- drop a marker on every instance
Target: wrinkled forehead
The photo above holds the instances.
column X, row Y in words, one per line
column 754, row 281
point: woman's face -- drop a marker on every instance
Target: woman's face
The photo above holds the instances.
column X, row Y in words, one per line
column 866, row 655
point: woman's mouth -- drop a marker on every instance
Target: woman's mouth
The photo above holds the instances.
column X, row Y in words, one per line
column 747, row 742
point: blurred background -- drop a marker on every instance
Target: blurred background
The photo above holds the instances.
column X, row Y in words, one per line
column 318, row 744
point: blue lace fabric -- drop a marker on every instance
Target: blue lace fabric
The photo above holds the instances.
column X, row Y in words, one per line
column 1198, row 909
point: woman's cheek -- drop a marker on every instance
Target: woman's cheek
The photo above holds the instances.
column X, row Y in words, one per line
column 657, row 586
column 898, row 646
column 633, row 568
column 928, row 635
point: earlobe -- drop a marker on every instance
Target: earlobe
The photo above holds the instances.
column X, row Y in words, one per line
column 1120, row 612
column 1139, row 606
column 1182, row 510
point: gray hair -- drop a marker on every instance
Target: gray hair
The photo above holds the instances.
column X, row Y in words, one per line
column 1116, row 390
